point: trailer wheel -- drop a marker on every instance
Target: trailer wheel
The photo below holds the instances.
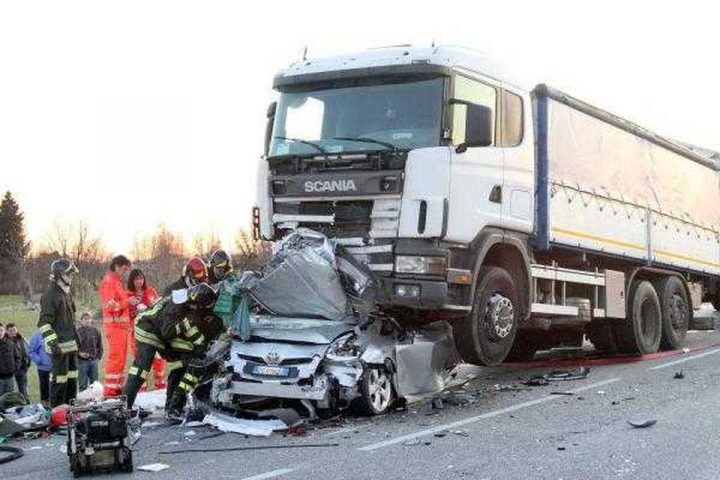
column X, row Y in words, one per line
column 486, row 335
column 675, row 312
column 640, row 332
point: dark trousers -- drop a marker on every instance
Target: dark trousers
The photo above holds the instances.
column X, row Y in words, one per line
column 87, row 372
column 21, row 380
column 176, row 371
column 63, row 379
column 44, row 380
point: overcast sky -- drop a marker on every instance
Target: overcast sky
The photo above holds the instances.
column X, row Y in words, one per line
column 128, row 114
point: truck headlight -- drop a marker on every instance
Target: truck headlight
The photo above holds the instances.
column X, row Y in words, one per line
column 420, row 265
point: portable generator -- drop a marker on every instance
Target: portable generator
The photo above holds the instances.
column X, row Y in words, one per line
column 99, row 437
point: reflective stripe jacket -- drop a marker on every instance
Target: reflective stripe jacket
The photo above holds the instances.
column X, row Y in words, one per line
column 168, row 326
column 57, row 320
column 112, row 289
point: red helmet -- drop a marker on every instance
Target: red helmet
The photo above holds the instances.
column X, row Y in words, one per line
column 195, row 271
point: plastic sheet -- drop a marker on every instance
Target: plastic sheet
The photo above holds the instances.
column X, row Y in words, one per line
column 302, row 279
column 256, row 428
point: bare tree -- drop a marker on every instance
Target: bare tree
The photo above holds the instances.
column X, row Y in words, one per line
column 205, row 244
column 252, row 254
column 160, row 255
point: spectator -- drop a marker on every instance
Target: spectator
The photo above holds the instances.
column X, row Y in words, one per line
column 21, row 374
column 145, row 297
column 8, row 363
column 90, row 351
column 42, row 360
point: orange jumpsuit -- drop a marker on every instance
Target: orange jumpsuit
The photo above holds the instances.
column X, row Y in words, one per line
column 118, row 331
column 147, row 297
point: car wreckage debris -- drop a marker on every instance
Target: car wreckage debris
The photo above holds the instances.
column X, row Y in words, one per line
column 644, row 423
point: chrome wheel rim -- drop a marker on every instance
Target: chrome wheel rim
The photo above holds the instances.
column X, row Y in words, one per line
column 379, row 389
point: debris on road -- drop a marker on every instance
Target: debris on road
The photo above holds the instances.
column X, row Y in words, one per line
column 154, row 467
column 643, row 423
column 539, row 381
column 560, row 392
column 679, row 375
column 563, row 375
column 256, row 428
column 13, row 454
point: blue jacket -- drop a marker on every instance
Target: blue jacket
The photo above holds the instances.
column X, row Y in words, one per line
column 38, row 354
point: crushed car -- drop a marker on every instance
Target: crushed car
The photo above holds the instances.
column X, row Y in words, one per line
column 307, row 331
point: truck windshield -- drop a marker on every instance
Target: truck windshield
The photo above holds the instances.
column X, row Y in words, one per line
column 393, row 115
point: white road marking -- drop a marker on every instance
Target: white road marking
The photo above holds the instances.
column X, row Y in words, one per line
column 272, row 474
column 477, row 418
column 338, row 432
column 684, row 359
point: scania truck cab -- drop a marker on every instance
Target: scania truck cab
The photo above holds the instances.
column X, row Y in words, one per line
column 425, row 163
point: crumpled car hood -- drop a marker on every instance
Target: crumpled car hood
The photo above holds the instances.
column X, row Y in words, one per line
column 307, row 330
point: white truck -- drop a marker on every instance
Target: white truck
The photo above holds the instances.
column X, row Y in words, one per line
column 525, row 217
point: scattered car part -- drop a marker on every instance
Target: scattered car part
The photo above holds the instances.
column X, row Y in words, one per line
column 643, row 423
column 562, row 375
column 679, row 375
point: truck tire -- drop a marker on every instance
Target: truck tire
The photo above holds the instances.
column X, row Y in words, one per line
column 602, row 337
column 676, row 312
column 486, row 335
column 640, row 333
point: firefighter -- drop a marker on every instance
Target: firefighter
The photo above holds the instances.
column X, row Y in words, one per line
column 57, row 326
column 194, row 272
column 172, row 330
column 219, row 266
column 115, row 304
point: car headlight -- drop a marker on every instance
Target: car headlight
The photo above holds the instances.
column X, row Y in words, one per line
column 420, row 265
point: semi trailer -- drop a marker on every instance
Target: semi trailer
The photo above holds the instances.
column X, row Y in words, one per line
column 522, row 215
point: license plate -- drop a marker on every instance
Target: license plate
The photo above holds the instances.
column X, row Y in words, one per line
column 271, row 371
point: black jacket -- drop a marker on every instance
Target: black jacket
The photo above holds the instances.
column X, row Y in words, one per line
column 57, row 320
column 177, row 328
column 23, row 360
column 9, row 358
column 90, row 343
column 179, row 284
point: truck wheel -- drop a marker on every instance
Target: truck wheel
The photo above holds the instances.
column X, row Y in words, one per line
column 675, row 309
column 640, row 332
column 602, row 337
column 524, row 347
column 485, row 336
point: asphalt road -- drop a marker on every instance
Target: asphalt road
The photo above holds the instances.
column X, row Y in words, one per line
column 497, row 428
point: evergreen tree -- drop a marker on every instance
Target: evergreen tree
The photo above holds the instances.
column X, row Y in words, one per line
column 14, row 246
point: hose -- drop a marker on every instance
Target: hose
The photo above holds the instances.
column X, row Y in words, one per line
column 15, row 453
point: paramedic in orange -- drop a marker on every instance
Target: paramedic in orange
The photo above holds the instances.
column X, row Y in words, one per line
column 115, row 303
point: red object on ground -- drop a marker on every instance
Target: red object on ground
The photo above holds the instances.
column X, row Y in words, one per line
column 58, row 415
column 116, row 324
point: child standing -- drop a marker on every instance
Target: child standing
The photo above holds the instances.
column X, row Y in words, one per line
column 90, row 351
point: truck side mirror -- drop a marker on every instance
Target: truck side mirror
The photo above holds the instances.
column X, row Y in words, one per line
column 272, row 108
column 478, row 125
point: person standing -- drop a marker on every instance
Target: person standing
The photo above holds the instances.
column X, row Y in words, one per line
column 21, row 374
column 57, row 325
column 90, row 351
column 8, row 363
column 116, row 323
column 146, row 296
column 43, row 363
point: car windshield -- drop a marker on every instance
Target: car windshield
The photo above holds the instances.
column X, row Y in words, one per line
column 388, row 116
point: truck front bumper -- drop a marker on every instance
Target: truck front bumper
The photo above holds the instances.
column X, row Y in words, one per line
column 433, row 294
